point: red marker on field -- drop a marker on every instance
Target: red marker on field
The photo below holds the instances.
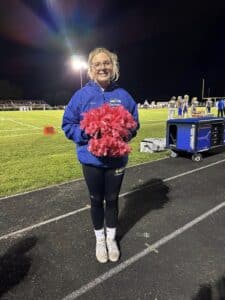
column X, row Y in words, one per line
column 49, row 130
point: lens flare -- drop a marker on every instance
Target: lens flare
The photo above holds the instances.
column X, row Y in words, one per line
column 49, row 23
column 78, row 62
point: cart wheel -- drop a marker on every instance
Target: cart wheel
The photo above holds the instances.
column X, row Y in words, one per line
column 173, row 154
column 196, row 157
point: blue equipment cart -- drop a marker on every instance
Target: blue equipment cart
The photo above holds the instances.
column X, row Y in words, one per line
column 195, row 135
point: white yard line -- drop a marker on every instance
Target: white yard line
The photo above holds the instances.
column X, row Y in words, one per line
column 22, row 134
column 152, row 248
column 20, row 123
column 153, row 121
column 180, row 175
column 29, row 228
column 22, row 129
column 28, row 133
column 146, row 162
column 16, row 129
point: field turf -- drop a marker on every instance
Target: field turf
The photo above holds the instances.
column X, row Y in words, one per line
column 31, row 160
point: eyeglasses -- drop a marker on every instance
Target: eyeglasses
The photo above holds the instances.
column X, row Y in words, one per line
column 104, row 64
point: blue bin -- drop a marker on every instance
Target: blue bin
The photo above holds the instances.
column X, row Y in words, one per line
column 195, row 135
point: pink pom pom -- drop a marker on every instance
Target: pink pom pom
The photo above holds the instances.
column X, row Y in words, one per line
column 112, row 125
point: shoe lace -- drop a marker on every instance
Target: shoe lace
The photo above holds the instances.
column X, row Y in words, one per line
column 101, row 244
column 112, row 245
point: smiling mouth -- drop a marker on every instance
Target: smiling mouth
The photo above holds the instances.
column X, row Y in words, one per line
column 103, row 74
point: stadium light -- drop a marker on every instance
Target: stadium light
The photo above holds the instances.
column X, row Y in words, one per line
column 78, row 64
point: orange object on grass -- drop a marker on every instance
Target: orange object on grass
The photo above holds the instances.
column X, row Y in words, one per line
column 49, row 130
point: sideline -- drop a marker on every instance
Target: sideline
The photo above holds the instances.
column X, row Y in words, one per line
column 29, row 228
column 20, row 123
column 152, row 248
column 179, row 175
column 22, row 134
column 16, row 129
column 71, row 181
column 30, row 133
column 18, row 232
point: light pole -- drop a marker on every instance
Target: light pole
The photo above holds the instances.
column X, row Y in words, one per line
column 79, row 64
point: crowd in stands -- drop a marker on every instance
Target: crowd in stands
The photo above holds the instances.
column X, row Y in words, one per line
column 153, row 104
column 180, row 107
column 23, row 105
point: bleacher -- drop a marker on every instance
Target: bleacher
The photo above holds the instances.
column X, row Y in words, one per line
column 24, row 105
column 153, row 104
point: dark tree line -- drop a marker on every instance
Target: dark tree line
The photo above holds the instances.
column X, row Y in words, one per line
column 9, row 90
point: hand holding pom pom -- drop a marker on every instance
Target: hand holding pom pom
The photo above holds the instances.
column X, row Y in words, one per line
column 109, row 128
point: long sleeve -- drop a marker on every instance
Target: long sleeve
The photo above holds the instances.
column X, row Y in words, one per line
column 71, row 121
column 133, row 108
column 136, row 118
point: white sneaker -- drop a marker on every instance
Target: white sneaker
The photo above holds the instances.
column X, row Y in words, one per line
column 101, row 252
column 113, row 250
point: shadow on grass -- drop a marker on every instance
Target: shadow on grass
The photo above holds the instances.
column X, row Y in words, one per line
column 152, row 195
column 211, row 292
column 15, row 264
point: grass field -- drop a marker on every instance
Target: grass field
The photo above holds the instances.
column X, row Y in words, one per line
column 31, row 160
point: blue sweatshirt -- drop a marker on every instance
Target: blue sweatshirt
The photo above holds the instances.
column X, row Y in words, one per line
column 89, row 97
column 221, row 104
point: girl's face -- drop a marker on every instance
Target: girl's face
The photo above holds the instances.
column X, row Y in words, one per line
column 101, row 69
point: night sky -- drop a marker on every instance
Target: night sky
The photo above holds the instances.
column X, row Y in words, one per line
column 165, row 48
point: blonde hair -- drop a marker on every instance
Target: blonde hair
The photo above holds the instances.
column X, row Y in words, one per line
column 112, row 56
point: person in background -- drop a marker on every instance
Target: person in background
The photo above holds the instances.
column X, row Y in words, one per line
column 185, row 106
column 220, row 108
column 194, row 105
column 146, row 104
column 180, row 104
column 224, row 107
column 171, row 108
column 103, row 175
column 208, row 105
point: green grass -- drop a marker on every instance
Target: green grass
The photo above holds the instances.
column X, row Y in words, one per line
column 30, row 160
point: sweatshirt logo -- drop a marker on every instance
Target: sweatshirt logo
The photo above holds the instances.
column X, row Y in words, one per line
column 119, row 171
column 115, row 102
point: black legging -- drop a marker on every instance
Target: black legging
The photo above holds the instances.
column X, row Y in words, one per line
column 220, row 113
column 103, row 184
